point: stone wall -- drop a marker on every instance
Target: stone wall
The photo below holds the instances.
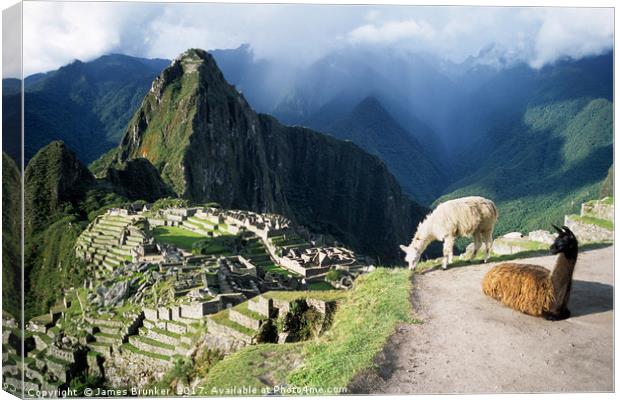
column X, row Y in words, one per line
column 588, row 232
column 261, row 305
column 127, row 369
column 199, row 310
column 598, row 209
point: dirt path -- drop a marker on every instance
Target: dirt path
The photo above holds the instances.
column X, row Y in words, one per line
column 469, row 343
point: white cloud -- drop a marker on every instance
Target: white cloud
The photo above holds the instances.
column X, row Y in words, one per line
column 55, row 33
column 11, row 40
column 392, row 32
column 573, row 33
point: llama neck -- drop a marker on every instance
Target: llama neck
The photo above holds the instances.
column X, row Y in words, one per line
column 425, row 230
column 562, row 276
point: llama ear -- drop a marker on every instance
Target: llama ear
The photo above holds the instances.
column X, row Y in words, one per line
column 558, row 229
column 567, row 231
column 404, row 248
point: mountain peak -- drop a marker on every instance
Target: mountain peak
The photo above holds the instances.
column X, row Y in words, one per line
column 207, row 144
column 370, row 103
column 193, row 55
column 371, row 109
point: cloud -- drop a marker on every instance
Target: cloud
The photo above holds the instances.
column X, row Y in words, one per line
column 56, row 33
column 11, row 39
column 537, row 36
column 573, row 33
column 392, row 32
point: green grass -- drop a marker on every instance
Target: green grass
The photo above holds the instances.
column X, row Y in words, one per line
column 278, row 270
column 529, row 245
column 320, row 286
column 243, row 309
column 603, row 223
column 221, row 318
column 165, row 332
column 365, row 318
column 134, row 349
column 428, row 265
column 250, row 366
column 180, row 237
column 325, row 295
column 223, row 244
column 608, row 201
column 155, row 343
column 362, row 324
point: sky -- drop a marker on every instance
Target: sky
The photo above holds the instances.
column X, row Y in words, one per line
column 56, row 33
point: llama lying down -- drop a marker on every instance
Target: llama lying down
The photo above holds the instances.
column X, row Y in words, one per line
column 533, row 289
column 468, row 216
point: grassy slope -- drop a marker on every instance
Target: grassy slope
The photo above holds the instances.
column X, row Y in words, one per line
column 364, row 320
column 88, row 104
column 167, row 135
column 180, row 237
column 11, row 232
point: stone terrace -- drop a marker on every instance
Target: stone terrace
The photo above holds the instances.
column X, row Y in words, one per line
column 109, row 241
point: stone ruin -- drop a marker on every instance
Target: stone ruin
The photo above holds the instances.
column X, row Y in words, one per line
column 226, row 293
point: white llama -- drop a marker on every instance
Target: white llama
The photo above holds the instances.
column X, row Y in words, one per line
column 468, row 216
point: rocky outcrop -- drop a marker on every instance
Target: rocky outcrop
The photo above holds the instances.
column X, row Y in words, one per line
column 138, row 180
column 595, row 223
column 209, row 145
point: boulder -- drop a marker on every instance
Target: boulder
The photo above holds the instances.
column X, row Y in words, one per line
column 541, row 236
column 513, row 235
column 117, row 293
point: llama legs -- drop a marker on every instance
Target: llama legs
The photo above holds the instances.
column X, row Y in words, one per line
column 448, row 246
column 488, row 245
column 477, row 244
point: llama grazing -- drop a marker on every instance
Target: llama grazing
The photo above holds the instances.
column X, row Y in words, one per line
column 533, row 289
column 468, row 216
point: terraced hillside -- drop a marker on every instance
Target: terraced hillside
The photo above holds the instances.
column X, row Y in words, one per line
column 109, row 240
column 165, row 281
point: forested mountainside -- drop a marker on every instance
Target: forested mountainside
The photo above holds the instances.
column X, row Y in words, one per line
column 371, row 127
column 86, row 104
column 546, row 148
column 11, row 237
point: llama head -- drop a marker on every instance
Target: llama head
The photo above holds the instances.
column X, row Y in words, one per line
column 566, row 242
column 413, row 251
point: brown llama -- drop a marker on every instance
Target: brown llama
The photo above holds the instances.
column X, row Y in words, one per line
column 535, row 290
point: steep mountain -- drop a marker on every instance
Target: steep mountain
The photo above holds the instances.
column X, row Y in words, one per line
column 137, row 179
column 87, row 105
column 372, row 128
column 406, row 84
column 54, row 180
column 11, row 237
column 489, row 115
column 11, row 118
column 61, row 197
column 209, row 145
column 538, row 142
